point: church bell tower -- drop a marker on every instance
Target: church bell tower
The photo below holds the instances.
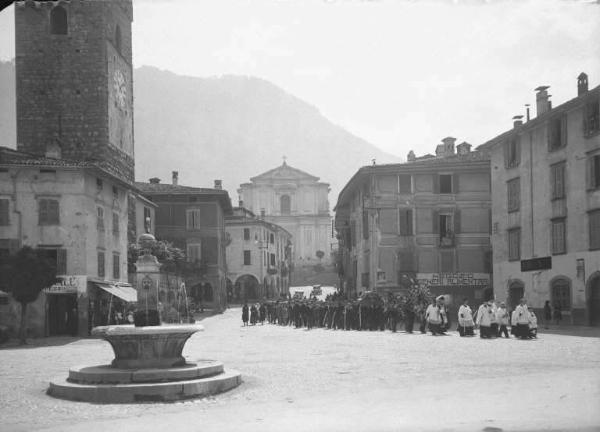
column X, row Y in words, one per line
column 74, row 81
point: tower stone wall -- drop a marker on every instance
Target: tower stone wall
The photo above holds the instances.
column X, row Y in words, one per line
column 67, row 87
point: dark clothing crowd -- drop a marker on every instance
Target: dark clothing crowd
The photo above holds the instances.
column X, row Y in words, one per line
column 374, row 314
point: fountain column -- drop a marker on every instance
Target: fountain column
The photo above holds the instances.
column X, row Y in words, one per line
column 147, row 283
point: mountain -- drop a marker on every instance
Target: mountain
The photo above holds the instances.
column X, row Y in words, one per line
column 229, row 128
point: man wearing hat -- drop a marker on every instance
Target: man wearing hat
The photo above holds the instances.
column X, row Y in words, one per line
column 484, row 320
column 502, row 319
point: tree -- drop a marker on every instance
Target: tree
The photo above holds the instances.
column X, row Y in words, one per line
column 26, row 274
column 320, row 254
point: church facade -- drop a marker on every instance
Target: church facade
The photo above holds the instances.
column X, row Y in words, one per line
column 296, row 201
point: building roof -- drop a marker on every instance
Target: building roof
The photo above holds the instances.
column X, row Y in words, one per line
column 285, row 172
column 243, row 216
column 153, row 189
column 425, row 163
column 12, row 157
column 567, row 106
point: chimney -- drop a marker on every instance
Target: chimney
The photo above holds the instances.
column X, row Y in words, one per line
column 218, row 184
column 463, row 148
column 155, row 180
column 541, row 99
column 449, row 146
column 175, row 177
column 527, row 111
column 582, row 84
column 411, row 156
column 517, row 121
column 439, row 151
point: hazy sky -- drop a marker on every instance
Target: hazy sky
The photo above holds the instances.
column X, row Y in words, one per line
column 401, row 74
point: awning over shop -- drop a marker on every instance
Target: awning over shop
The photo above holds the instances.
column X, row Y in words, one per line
column 126, row 293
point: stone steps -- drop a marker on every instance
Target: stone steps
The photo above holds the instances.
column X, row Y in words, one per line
column 106, row 374
column 103, row 384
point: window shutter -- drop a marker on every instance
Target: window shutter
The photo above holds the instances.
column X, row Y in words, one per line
column 506, row 153
column 436, row 184
column 590, row 173
column 457, row 221
column 518, row 151
column 3, row 212
column 454, row 183
column 403, row 222
column 563, row 131
column 435, row 219
column 61, row 261
column 409, row 222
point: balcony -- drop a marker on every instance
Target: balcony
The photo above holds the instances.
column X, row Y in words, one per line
column 447, row 241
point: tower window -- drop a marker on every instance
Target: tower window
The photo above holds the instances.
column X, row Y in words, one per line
column 118, row 39
column 58, row 21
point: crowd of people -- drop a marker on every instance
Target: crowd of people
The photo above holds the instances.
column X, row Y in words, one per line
column 371, row 312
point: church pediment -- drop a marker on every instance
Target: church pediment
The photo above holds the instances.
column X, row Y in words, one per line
column 284, row 172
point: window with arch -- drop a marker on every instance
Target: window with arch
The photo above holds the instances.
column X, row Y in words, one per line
column 118, row 39
column 561, row 293
column 285, row 204
column 58, row 21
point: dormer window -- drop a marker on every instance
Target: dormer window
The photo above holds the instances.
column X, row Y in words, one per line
column 58, row 21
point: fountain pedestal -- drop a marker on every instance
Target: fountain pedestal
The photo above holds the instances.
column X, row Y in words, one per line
column 148, row 363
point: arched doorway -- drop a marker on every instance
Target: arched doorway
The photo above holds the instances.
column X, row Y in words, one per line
column 516, row 291
column 248, row 287
column 560, row 290
column 593, row 299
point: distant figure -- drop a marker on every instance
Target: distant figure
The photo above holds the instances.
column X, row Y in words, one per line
column 502, row 319
column 547, row 313
column 533, row 324
column 433, row 318
column 262, row 313
column 245, row 314
column 484, row 320
column 465, row 319
column 253, row 314
column 522, row 317
column 557, row 314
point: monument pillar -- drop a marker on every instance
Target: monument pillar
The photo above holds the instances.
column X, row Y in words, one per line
column 147, row 282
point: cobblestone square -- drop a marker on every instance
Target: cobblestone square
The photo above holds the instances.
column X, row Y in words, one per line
column 320, row 379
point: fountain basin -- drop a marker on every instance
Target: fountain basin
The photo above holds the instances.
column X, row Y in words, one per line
column 147, row 347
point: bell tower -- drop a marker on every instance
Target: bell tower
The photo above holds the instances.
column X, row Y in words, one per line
column 74, row 80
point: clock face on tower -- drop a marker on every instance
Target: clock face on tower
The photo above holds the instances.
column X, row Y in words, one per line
column 120, row 88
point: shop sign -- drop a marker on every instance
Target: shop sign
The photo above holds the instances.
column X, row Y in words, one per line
column 68, row 285
column 534, row 264
column 453, row 279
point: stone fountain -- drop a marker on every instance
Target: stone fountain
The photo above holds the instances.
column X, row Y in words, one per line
column 148, row 363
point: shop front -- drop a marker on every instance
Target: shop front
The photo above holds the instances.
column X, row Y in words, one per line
column 63, row 310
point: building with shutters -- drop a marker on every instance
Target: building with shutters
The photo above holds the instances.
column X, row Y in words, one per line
column 76, row 214
column 258, row 257
column 67, row 189
column 546, row 206
column 427, row 219
column 193, row 219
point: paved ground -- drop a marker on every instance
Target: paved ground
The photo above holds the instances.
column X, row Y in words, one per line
column 331, row 380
